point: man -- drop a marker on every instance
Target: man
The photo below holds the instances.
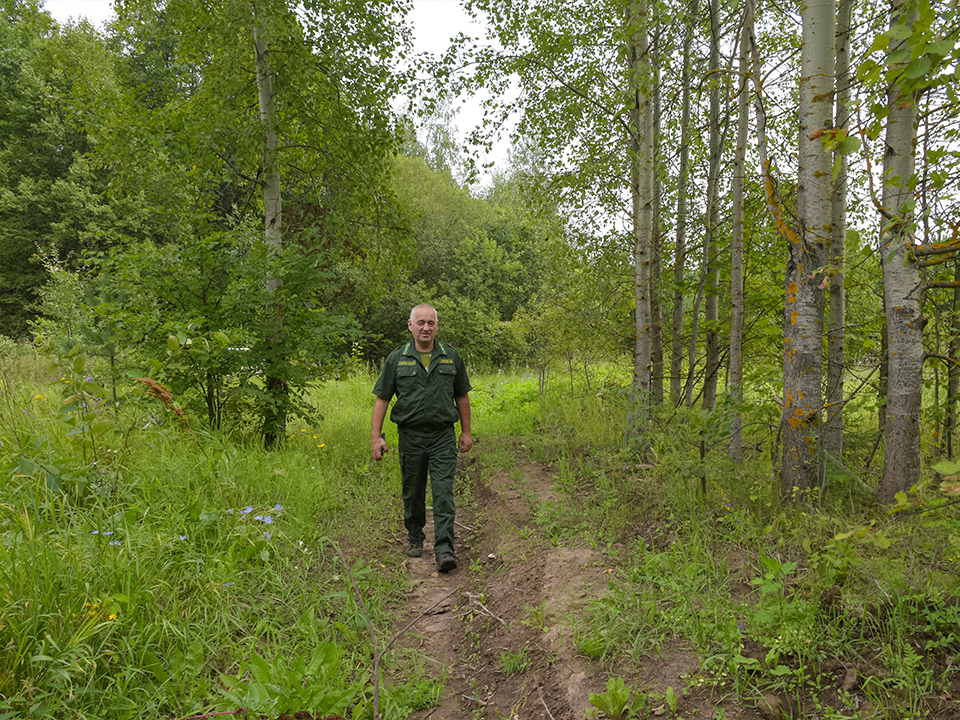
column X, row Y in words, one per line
column 430, row 381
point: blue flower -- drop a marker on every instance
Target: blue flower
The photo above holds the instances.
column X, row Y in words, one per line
column 247, row 510
column 267, row 535
column 108, row 532
column 227, row 584
column 278, row 508
column 267, row 519
column 183, row 537
column 230, row 510
column 258, row 517
column 116, row 542
column 94, row 532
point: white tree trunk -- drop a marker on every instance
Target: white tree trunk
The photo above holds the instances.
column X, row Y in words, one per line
column 803, row 314
column 736, row 238
column 679, row 262
column 711, row 313
column 276, row 387
column 642, row 181
column 836, row 335
column 901, row 290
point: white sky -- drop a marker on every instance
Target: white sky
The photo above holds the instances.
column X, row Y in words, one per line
column 434, row 23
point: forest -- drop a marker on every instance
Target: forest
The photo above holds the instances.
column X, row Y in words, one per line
column 710, row 305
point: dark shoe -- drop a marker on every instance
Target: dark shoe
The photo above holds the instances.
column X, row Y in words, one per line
column 446, row 562
column 415, row 549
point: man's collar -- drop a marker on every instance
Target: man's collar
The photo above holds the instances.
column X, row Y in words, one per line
column 411, row 348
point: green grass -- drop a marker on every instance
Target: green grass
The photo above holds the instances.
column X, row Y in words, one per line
column 134, row 581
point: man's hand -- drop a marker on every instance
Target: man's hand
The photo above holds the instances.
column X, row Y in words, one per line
column 466, row 442
column 378, row 447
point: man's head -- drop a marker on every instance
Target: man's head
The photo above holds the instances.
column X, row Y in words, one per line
column 423, row 324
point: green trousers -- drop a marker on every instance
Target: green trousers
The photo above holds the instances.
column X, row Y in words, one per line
column 430, row 453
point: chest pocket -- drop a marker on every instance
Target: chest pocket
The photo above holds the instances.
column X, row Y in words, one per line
column 446, row 371
column 406, row 372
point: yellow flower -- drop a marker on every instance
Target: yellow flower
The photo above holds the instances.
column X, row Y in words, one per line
column 321, row 444
column 39, row 398
column 112, row 616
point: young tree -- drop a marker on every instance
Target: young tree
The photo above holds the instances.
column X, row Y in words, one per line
column 836, row 335
column 736, row 236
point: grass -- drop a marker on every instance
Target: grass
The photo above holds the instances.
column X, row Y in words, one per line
column 145, row 572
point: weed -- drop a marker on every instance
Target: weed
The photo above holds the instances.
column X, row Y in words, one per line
column 616, row 702
column 512, row 663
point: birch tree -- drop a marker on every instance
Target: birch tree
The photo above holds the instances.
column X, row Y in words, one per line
column 901, row 279
column 836, row 335
column 642, row 168
column 683, row 180
column 803, row 314
column 736, row 236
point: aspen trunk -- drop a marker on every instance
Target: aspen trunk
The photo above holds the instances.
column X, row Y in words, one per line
column 901, row 291
column 803, row 313
column 274, row 380
column 679, row 261
column 712, row 269
column 736, row 240
column 642, row 207
column 836, row 335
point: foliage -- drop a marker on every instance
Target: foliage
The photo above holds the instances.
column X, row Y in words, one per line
column 616, row 704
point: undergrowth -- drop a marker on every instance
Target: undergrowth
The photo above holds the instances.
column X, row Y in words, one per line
column 149, row 569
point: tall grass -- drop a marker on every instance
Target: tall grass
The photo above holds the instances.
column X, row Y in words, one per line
column 148, row 573
column 129, row 583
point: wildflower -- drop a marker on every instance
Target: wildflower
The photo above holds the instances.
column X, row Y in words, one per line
column 268, row 519
column 108, row 532
column 227, row 584
column 183, row 537
column 278, row 508
column 38, row 398
column 94, row 532
column 321, row 445
column 230, row 511
column 247, row 510
column 116, row 543
column 112, row 616
column 267, row 535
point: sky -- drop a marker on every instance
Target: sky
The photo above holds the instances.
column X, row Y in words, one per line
column 434, row 23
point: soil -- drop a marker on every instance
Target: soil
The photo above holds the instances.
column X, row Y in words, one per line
column 517, row 595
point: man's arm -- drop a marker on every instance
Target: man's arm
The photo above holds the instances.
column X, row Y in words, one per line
column 378, row 446
column 466, row 440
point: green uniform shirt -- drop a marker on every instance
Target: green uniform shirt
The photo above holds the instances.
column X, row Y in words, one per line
column 424, row 399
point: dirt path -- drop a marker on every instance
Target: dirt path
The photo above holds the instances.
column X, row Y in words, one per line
column 503, row 623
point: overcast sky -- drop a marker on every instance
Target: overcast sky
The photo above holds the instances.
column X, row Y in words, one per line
column 434, row 23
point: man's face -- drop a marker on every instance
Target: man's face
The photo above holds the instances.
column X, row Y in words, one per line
column 423, row 326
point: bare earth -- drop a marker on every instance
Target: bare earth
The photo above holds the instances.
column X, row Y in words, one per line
column 516, row 596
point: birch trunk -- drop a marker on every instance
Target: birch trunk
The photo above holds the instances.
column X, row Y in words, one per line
column 803, row 312
column 642, row 208
column 679, row 261
column 901, row 292
column 736, row 239
column 656, row 265
column 712, row 269
column 276, row 386
column 836, row 335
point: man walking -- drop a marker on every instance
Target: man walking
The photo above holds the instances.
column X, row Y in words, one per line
column 430, row 381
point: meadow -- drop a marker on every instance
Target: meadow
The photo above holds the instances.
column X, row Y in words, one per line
column 151, row 568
